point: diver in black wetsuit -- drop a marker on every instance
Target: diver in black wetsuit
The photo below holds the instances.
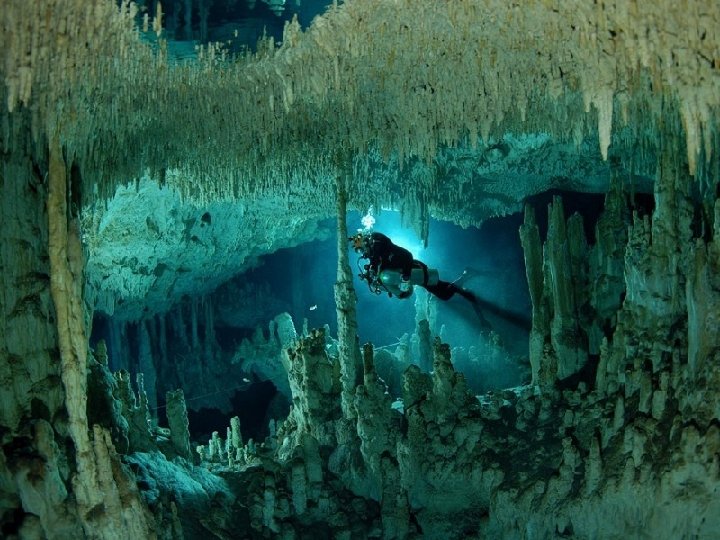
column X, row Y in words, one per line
column 393, row 269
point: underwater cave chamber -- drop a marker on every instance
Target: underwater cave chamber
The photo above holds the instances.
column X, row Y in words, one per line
column 186, row 349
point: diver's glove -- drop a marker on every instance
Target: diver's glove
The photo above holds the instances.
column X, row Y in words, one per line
column 404, row 285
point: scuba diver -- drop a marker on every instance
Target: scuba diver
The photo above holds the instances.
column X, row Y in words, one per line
column 393, row 269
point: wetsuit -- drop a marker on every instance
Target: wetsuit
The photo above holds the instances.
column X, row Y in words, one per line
column 384, row 255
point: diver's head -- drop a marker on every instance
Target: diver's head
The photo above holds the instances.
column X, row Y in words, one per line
column 360, row 242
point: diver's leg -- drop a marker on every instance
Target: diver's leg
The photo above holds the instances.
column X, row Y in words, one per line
column 470, row 297
column 444, row 291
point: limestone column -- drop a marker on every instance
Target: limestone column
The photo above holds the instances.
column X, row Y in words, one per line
column 565, row 334
column 65, row 282
column 424, row 346
column 98, row 481
column 532, row 248
column 345, row 301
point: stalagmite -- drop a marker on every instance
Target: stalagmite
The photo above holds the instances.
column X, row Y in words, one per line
column 117, row 349
column 104, row 404
column 210, row 344
column 178, row 326
column 375, row 420
column 424, row 345
column 177, row 419
column 703, row 310
column 44, row 494
column 236, row 435
column 285, row 331
column 315, row 382
column 606, row 260
column 135, row 411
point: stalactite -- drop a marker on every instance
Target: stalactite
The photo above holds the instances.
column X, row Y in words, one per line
column 210, row 344
column 151, row 326
column 163, row 340
column 188, row 15
column 194, row 335
column 117, row 354
column 179, row 329
column 661, row 60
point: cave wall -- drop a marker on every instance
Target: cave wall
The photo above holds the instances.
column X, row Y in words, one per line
column 61, row 477
column 32, row 393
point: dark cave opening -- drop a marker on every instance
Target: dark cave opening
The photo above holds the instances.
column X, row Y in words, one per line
column 12, row 522
column 255, row 405
column 229, row 338
column 586, row 374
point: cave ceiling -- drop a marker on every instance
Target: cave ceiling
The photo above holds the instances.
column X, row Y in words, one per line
column 192, row 167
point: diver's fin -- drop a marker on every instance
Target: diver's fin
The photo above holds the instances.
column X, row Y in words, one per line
column 483, row 321
column 513, row 318
column 470, row 297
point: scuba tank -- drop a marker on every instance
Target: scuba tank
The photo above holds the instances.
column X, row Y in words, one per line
column 391, row 280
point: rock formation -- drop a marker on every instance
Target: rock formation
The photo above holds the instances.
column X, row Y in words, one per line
column 135, row 184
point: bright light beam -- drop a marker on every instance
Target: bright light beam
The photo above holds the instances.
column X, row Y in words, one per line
column 368, row 220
